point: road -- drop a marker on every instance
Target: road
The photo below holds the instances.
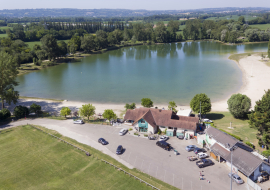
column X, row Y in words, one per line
column 144, row 155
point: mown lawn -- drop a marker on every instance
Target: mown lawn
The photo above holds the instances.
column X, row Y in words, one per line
column 31, row 159
column 241, row 127
column 3, row 35
column 234, row 17
column 261, row 26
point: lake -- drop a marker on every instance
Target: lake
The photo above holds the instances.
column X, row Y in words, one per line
column 164, row 72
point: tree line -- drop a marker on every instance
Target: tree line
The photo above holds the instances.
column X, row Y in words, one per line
column 223, row 30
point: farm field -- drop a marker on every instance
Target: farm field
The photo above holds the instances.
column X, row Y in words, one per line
column 261, row 26
column 234, row 17
column 5, row 27
column 31, row 159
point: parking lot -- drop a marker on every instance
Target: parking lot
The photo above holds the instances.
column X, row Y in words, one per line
column 144, row 155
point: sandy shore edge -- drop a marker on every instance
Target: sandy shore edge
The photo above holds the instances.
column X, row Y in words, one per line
column 255, row 77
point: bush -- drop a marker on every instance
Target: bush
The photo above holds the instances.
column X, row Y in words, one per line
column 249, row 144
column 159, row 132
column 130, row 129
column 21, row 111
column 249, row 54
column 239, row 105
column 145, row 135
column 266, row 153
column 4, row 114
column 235, row 136
column 136, row 134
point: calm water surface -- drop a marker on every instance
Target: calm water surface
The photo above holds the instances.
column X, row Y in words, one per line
column 166, row 72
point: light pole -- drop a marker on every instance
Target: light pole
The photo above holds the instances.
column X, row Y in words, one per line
column 231, row 149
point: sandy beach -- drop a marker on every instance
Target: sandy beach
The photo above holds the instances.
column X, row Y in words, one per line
column 256, row 77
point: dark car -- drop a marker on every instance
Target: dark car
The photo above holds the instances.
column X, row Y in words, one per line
column 197, row 150
column 102, row 141
column 119, row 149
column 204, row 162
column 164, row 145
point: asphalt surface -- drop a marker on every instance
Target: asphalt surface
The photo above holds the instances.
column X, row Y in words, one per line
column 143, row 154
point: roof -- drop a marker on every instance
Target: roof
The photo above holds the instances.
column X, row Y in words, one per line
column 186, row 112
column 219, row 150
column 245, row 161
column 158, row 117
column 221, row 137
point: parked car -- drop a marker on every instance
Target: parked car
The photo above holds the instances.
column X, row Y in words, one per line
column 163, row 138
column 204, row 162
column 236, row 178
column 119, row 149
column 164, row 145
column 181, row 137
column 207, row 120
column 102, row 141
column 123, row 132
column 192, row 158
column 202, row 155
column 197, row 150
column 78, row 122
column 190, row 148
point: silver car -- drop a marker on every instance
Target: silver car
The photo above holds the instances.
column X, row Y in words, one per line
column 236, row 178
column 78, row 122
column 190, row 148
column 122, row 132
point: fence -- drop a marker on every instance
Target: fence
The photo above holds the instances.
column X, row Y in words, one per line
column 88, row 154
column 253, row 185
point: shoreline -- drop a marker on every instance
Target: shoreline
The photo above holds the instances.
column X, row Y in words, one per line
column 255, row 77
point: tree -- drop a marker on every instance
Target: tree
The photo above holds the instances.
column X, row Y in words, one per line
column 4, row 114
column 239, row 105
column 260, row 119
column 172, row 105
column 35, row 108
column 87, row 110
column 130, row 106
column 147, row 102
column 65, row 111
column 8, row 81
column 88, row 43
column 21, row 111
column 160, row 31
column 109, row 114
column 49, row 45
column 241, row 20
column 205, row 103
column 62, row 48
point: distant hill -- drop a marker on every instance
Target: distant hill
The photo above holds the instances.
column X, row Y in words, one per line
column 66, row 12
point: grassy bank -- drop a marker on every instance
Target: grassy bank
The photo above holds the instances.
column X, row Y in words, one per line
column 261, row 26
column 240, row 127
column 31, row 159
column 237, row 57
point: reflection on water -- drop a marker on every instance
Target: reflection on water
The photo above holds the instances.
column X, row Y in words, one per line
column 164, row 72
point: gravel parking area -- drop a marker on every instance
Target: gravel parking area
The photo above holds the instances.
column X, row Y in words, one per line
column 144, row 155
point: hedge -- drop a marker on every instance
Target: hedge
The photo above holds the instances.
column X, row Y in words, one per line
column 249, row 144
column 266, row 153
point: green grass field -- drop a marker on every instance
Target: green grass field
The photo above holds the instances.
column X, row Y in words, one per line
column 31, row 44
column 5, row 27
column 241, row 127
column 234, row 17
column 31, row 159
column 3, row 35
column 261, row 26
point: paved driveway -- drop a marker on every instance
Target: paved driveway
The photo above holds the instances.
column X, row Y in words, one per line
column 144, row 155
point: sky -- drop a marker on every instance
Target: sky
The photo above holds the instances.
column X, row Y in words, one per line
column 131, row 4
